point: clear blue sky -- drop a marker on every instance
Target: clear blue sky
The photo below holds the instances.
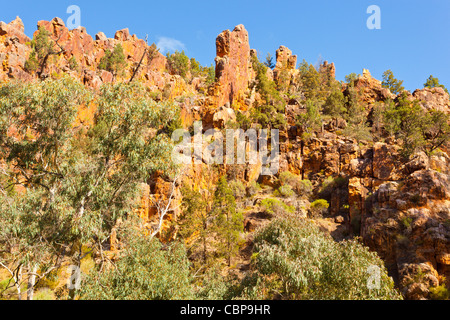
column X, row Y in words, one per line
column 414, row 39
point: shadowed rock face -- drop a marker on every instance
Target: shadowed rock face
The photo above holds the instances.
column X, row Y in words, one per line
column 233, row 67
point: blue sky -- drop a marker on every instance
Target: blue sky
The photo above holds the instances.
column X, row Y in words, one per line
column 414, row 39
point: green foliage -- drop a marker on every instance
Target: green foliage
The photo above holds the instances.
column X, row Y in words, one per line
column 269, row 61
column 436, row 130
column 243, row 122
column 391, row 83
column 311, row 120
column 270, row 114
column 73, row 64
column 253, row 188
column 335, row 105
column 301, row 187
column 79, row 181
column 210, row 75
column 310, row 81
column 194, row 218
column 211, row 222
column 351, row 78
column 275, row 207
column 319, row 207
column 147, row 270
column 44, row 294
column 295, row 260
column 195, row 67
column 230, row 223
column 284, row 191
column 42, row 47
column 114, row 61
column 237, row 188
column 179, row 63
column 267, row 116
column 416, row 128
column 406, row 221
column 264, row 85
column 440, row 293
column 433, row 82
column 356, row 117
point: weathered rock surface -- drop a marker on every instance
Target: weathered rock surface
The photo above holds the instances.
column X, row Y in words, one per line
column 14, row 50
column 285, row 67
column 372, row 89
column 400, row 208
column 433, row 98
column 233, row 67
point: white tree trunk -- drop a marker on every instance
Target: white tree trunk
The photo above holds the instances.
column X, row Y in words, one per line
column 31, row 282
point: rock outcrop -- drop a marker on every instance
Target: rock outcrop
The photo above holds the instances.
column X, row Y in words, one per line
column 285, row 67
column 233, row 68
column 328, row 69
column 76, row 45
column 14, row 50
column 400, row 208
column 433, row 98
column 372, row 91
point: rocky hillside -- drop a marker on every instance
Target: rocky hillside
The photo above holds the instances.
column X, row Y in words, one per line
column 397, row 204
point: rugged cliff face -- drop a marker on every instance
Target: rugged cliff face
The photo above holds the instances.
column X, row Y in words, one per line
column 400, row 208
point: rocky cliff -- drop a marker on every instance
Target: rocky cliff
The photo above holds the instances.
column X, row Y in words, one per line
column 400, row 208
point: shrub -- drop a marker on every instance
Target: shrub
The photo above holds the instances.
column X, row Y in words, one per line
column 179, row 63
column 274, row 206
column 319, row 207
column 433, row 82
column 148, row 270
column 73, row 64
column 293, row 259
column 439, row 293
column 389, row 82
column 351, row 78
column 284, row 191
column 301, row 187
column 113, row 61
column 42, row 48
column 335, row 104
column 44, row 294
column 253, row 188
column 238, row 188
column 406, row 221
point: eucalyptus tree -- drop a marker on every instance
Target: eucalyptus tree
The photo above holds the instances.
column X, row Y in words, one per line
column 65, row 180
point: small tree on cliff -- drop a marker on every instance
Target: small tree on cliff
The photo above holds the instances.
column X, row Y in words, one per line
column 335, row 104
column 230, row 221
column 43, row 47
column 391, row 83
column 179, row 63
column 433, row 82
column 269, row 61
column 113, row 61
column 311, row 120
